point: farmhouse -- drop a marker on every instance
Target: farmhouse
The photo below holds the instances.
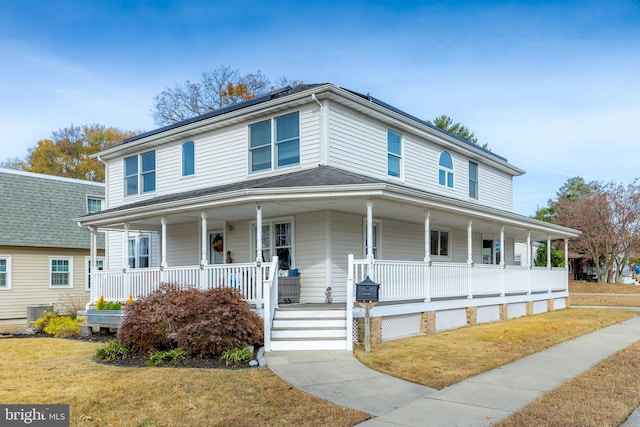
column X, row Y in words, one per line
column 44, row 256
column 315, row 187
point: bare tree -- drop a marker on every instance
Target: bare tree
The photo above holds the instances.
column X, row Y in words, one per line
column 609, row 218
column 219, row 88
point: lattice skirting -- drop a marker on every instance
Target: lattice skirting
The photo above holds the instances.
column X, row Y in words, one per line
column 394, row 327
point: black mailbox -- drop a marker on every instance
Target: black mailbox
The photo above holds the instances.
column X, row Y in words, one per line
column 367, row 291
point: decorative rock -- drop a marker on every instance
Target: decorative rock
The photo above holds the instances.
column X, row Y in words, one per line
column 253, row 363
column 261, row 360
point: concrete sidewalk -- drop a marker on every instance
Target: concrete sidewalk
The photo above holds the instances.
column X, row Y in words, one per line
column 479, row 401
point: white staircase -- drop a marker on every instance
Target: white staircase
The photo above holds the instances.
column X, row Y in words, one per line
column 309, row 327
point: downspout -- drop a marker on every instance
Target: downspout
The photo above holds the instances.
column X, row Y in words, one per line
column 323, row 131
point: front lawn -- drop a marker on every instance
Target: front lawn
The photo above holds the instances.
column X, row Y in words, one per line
column 61, row 371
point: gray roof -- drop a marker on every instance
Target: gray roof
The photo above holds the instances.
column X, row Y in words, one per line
column 41, row 210
column 313, row 177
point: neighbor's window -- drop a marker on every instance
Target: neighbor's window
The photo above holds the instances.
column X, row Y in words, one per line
column 188, row 158
column 280, row 136
column 146, row 179
column 439, row 243
column 473, row 180
column 94, row 204
column 60, row 272
column 445, row 170
column 139, row 252
column 394, row 153
column 5, row 272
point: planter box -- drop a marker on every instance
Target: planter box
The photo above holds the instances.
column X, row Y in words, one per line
column 112, row 318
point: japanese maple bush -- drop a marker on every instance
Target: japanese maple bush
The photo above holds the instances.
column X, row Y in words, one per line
column 204, row 323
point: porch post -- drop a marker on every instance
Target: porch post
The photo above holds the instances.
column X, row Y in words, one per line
column 369, row 237
column 350, row 285
column 163, row 245
column 566, row 253
column 92, row 268
column 529, row 251
column 203, row 236
column 259, row 234
column 549, row 252
column 470, row 242
column 502, row 251
column 125, row 248
column 125, row 259
column 427, row 237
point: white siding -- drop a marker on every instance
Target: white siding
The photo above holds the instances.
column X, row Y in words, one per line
column 183, row 244
column 495, row 188
column 346, row 238
column 221, row 157
column 357, row 143
column 401, row 241
column 310, row 243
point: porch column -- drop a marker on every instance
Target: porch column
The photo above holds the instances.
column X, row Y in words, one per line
column 92, row 268
column 529, row 252
column 125, row 248
column 369, row 238
column 203, row 236
column 549, row 252
column 502, row 251
column 470, row 242
column 427, row 237
column 259, row 234
column 566, row 253
column 163, row 243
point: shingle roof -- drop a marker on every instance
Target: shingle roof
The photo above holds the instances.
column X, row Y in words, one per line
column 41, row 211
column 314, row 177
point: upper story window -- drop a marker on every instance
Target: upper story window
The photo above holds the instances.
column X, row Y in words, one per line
column 394, row 153
column 94, row 204
column 188, row 158
column 473, row 180
column 5, row 272
column 140, row 173
column 274, row 142
column 445, row 170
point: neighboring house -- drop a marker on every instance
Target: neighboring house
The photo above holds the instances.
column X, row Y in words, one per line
column 44, row 255
column 313, row 175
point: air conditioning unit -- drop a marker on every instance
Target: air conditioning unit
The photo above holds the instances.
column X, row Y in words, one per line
column 34, row 312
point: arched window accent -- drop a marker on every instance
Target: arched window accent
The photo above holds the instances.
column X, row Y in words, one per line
column 445, row 170
column 188, row 158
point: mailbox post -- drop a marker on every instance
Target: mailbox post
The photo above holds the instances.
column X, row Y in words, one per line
column 367, row 297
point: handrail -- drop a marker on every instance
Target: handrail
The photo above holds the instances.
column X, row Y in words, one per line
column 270, row 298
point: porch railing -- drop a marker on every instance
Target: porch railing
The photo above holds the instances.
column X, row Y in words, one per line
column 119, row 285
column 407, row 280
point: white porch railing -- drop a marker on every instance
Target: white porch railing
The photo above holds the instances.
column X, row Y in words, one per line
column 270, row 292
column 409, row 280
column 119, row 285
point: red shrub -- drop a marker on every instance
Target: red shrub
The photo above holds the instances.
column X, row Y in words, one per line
column 202, row 323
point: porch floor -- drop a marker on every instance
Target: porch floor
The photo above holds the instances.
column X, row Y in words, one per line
column 313, row 306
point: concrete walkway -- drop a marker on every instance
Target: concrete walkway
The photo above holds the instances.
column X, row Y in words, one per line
column 478, row 401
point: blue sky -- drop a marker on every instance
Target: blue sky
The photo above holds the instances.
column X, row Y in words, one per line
column 552, row 86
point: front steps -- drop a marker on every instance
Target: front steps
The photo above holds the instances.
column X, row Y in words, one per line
column 309, row 327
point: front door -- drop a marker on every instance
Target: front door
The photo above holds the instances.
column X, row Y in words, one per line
column 216, row 247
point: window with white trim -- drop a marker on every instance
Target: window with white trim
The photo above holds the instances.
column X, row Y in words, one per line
column 439, row 243
column 139, row 251
column 445, row 170
column 473, row 180
column 394, row 153
column 5, row 272
column 140, row 173
column 94, row 204
column 277, row 238
column 99, row 267
column 274, row 142
column 375, row 238
column 60, row 272
column 188, row 158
